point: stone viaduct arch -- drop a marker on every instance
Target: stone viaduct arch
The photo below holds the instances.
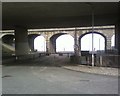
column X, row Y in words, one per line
column 51, row 36
column 93, row 33
column 53, row 41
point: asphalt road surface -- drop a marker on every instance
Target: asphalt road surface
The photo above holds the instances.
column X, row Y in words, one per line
column 54, row 80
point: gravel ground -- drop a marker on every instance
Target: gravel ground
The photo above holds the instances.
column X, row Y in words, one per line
column 95, row 70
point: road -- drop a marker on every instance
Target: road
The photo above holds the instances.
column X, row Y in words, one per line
column 54, row 80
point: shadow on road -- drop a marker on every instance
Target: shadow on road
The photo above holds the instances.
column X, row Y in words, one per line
column 52, row 60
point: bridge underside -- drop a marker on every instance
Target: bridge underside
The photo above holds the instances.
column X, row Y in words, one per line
column 23, row 16
column 49, row 15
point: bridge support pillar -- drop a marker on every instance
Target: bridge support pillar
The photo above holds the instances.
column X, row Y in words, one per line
column 48, row 47
column 31, row 44
column 117, row 38
column 117, row 32
column 117, row 42
column 108, row 45
column 21, row 42
column 52, row 45
column 77, row 51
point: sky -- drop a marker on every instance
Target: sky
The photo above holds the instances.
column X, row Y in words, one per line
column 86, row 42
column 113, row 40
column 66, row 43
column 40, row 44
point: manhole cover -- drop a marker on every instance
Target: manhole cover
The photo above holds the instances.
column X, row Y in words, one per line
column 6, row 76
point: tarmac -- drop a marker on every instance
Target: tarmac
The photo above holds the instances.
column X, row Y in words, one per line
column 62, row 61
column 53, row 75
column 54, row 80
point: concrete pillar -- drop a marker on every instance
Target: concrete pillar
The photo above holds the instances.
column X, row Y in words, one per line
column 117, row 38
column 0, row 48
column 117, row 32
column 119, row 29
column 31, row 43
column 47, row 46
column 21, row 41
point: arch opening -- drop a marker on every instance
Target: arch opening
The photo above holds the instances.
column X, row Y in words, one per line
column 99, row 42
column 65, row 43
column 40, row 44
column 113, row 42
column 53, row 41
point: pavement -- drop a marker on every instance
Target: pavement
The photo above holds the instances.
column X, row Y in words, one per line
column 50, row 75
column 55, row 80
column 94, row 70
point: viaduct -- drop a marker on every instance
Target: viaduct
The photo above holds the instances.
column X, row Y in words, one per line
column 51, row 35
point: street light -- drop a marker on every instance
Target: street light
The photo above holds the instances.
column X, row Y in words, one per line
column 92, row 7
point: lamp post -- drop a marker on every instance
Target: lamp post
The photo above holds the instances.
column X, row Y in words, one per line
column 92, row 8
column 93, row 63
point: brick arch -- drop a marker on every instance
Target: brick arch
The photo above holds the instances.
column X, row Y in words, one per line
column 94, row 33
